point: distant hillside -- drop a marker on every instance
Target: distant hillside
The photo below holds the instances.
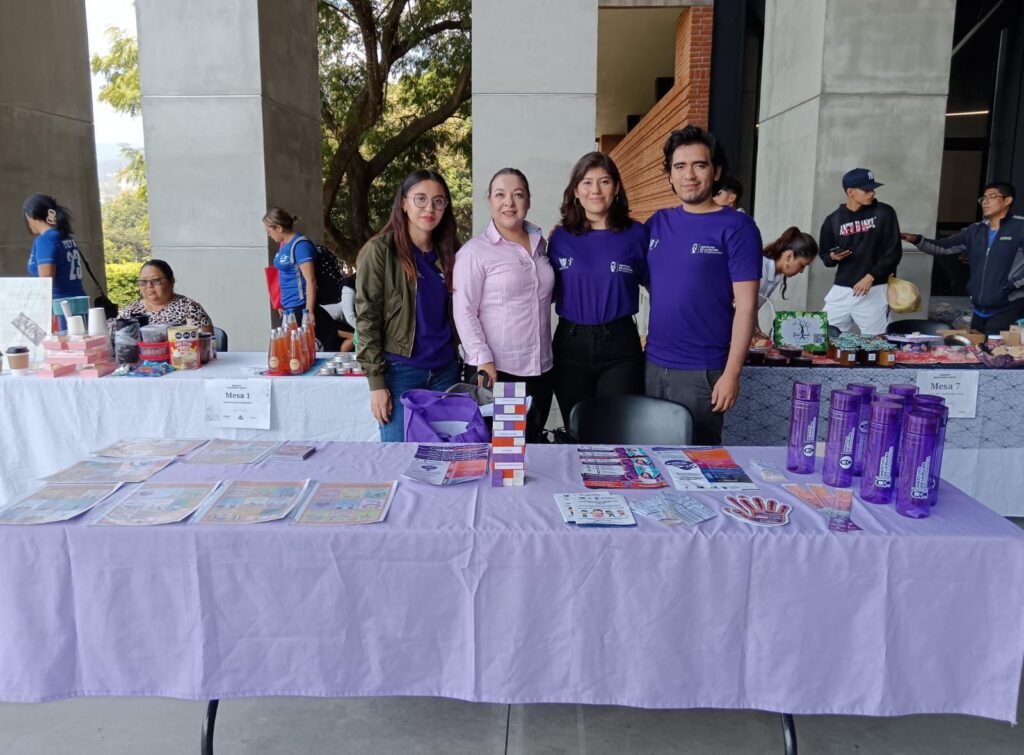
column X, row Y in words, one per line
column 108, row 163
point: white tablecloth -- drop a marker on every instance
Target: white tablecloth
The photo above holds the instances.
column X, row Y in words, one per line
column 51, row 423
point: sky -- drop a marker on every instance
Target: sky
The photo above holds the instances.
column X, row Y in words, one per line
column 111, row 127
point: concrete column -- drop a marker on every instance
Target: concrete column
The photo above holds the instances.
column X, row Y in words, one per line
column 849, row 85
column 231, row 112
column 534, row 94
column 47, row 140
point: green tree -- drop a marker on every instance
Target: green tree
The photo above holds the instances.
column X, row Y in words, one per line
column 126, row 228
column 120, row 70
column 395, row 88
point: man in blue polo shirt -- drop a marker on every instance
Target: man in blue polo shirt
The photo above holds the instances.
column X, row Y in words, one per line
column 704, row 263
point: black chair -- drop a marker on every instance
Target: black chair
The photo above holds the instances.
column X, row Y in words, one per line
column 631, row 420
column 924, row 327
column 220, row 340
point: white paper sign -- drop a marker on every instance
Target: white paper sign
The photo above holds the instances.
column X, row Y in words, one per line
column 238, row 403
column 958, row 387
column 25, row 310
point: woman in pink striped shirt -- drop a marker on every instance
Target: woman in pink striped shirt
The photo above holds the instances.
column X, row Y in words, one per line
column 502, row 287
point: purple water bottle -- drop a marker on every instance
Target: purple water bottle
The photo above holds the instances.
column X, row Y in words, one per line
column 913, row 486
column 905, row 405
column 803, row 427
column 867, row 395
column 878, row 483
column 903, row 389
column 942, row 412
column 843, row 418
column 927, row 398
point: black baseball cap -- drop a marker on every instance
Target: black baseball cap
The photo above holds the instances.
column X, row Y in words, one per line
column 860, row 178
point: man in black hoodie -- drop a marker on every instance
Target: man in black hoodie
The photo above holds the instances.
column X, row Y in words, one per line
column 995, row 252
column 862, row 238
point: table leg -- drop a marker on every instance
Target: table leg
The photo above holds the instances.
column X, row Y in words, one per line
column 206, row 735
column 788, row 734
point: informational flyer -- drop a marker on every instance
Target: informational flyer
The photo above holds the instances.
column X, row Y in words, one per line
column 702, row 468
column 109, row 471
column 220, row 451
column 443, row 464
column 55, row 503
column 627, row 467
column 602, row 509
column 245, row 502
column 243, row 403
column 834, row 504
column 347, row 503
column 671, row 508
column 158, row 503
column 132, row 448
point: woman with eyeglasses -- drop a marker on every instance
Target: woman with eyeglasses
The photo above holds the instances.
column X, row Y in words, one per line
column 54, row 253
column 403, row 300
column 502, row 298
column 995, row 252
column 160, row 304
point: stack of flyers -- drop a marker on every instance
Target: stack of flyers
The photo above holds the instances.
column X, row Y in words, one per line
column 594, row 509
column 448, row 464
column 618, row 467
column 769, row 472
column 670, row 508
column 702, row 468
column 293, row 451
column 347, row 503
column 834, row 504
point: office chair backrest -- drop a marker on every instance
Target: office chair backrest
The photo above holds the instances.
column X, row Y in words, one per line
column 632, row 420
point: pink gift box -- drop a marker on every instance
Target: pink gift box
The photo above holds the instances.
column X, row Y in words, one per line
column 54, row 370
column 93, row 356
column 97, row 370
column 86, row 343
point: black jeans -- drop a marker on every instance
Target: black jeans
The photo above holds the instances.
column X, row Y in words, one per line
column 538, row 387
column 1001, row 320
column 594, row 361
column 692, row 389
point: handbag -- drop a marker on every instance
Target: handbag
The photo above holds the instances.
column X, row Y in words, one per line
column 438, row 417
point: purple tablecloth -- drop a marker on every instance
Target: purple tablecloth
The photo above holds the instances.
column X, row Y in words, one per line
column 484, row 594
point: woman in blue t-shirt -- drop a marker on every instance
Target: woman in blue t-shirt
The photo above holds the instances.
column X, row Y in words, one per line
column 294, row 262
column 54, row 253
column 599, row 257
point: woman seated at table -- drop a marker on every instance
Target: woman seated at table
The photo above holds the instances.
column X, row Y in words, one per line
column 502, row 298
column 403, row 300
column 160, row 304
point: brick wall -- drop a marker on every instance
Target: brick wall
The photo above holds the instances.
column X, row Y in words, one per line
column 638, row 155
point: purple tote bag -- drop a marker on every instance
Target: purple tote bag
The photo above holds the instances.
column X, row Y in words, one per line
column 437, row 417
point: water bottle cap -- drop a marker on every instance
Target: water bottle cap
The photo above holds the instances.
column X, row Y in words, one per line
column 893, row 398
column 939, row 410
column 927, row 398
column 844, row 401
column 806, row 391
column 922, row 423
column 886, row 412
column 865, row 391
column 903, row 389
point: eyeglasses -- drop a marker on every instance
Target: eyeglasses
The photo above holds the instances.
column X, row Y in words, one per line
column 147, row 282
column 991, row 198
column 420, row 200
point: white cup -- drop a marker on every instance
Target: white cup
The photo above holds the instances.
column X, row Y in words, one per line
column 76, row 325
column 97, row 321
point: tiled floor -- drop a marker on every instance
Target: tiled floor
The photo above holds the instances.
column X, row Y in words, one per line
column 414, row 726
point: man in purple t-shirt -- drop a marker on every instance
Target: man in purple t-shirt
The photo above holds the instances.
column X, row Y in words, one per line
column 704, row 263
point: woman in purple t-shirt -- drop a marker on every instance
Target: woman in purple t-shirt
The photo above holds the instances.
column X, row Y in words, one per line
column 598, row 254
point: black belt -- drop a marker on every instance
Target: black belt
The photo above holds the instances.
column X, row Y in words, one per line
column 575, row 328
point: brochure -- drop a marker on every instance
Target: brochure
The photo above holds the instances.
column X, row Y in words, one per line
column 135, row 447
column 220, row 451
column 55, row 503
column 702, row 468
column 671, row 508
column 602, row 509
column 835, row 504
column 109, row 471
column 347, row 503
column 158, row 503
column 618, row 467
column 449, row 464
column 244, row 502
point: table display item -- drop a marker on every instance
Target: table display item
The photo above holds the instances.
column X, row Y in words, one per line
column 602, row 509
column 183, row 343
column 670, row 509
column 56, row 503
column 347, row 503
column 768, row 471
column 877, row 482
column 618, row 467
column 913, row 486
column 18, row 357
column 127, row 335
column 834, row 504
column 253, row 502
column 130, row 448
column 805, row 330
column 803, row 427
column 867, row 395
column 109, row 471
column 702, row 468
column 905, row 405
column 220, row 451
column 942, row 412
column 449, row 464
column 508, row 435
column 758, row 511
column 155, row 503
column 904, row 389
column 843, row 418
column 293, row 452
